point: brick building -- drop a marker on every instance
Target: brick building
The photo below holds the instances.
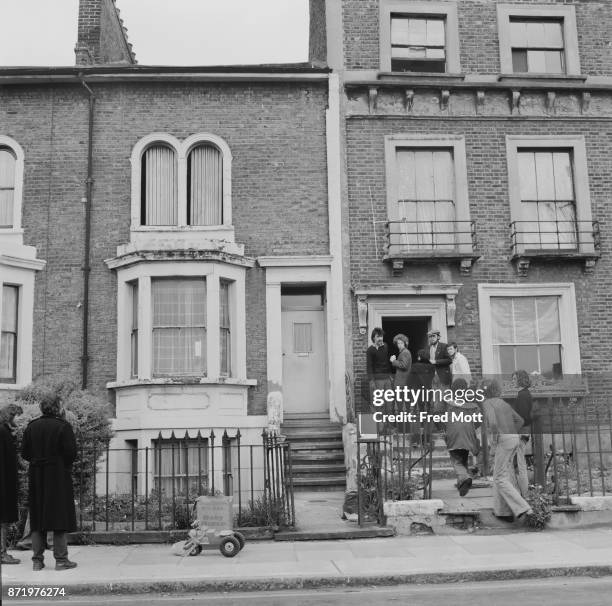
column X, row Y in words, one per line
column 477, row 148
column 166, row 237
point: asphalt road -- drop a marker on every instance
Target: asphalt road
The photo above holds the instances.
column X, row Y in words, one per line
column 560, row 592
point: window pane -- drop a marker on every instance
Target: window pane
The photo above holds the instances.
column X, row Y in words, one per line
column 9, row 308
column 225, row 328
column 417, row 32
column 8, row 334
column 507, row 363
column 548, row 319
column 553, row 34
column 179, row 326
column 8, row 350
column 527, row 171
column 563, row 178
column 518, row 33
column 205, row 182
column 409, row 52
column 536, row 34
column 159, row 186
column 550, row 361
column 536, row 61
column 527, row 358
column 406, row 173
column 436, row 53
column 519, row 61
column 435, row 32
column 501, row 319
column 525, row 320
column 7, row 186
column 553, row 61
column 134, row 331
column 545, row 175
column 399, row 30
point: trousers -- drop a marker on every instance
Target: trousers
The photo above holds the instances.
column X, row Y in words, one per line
column 459, row 459
column 507, row 499
column 60, row 545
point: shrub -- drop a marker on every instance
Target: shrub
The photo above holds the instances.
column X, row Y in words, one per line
column 541, row 504
column 92, row 427
column 263, row 511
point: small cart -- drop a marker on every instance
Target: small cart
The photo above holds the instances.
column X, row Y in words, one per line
column 229, row 542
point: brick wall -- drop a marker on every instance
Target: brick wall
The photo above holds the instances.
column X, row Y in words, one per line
column 478, row 37
column 277, row 137
column 489, row 208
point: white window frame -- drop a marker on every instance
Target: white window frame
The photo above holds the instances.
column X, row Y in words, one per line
column 568, row 320
column 454, row 142
column 448, row 10
column 570, row 36
column 182, row 150
column 18, row 191
column 581, row 179
column 212, row 272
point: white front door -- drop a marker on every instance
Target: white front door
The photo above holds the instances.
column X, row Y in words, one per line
column 305, row 388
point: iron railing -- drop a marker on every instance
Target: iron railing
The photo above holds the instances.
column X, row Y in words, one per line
column 558, row 236
column 154, row 488
column 433, row 238
column 572, row 448
column 396, row 463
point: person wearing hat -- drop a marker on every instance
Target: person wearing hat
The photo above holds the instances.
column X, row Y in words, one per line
column 438, row 356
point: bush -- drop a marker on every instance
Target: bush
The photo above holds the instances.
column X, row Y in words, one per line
column 541, row 504
column 262, row 512
column 92, row 427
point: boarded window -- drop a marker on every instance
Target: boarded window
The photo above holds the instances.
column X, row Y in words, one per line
column 7, row 186
column 418, row 44
column 8, row 334
column 179, row 327
column 159, row 186
column 548, row 208
column 225, row 340
column 426, row 197
column 205, row 186
column 537, row 46
column 527, row 334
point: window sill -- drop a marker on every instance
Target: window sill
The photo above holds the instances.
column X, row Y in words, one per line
column 171, row 381
column 434, row 78
column 11, row 387
column 544, row 79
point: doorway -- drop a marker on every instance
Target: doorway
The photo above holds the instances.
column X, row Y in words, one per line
column 414, row 327
column 305, row 385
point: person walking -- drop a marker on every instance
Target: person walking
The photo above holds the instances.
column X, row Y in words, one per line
column 523, row 406
column 503, row 424
column 50, row 447
column 461, row 439
column 8, row 477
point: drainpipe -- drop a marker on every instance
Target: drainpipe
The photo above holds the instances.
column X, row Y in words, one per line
column 87, row 245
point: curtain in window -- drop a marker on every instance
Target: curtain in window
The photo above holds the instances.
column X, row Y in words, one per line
column 526, row 334
column 8, row 333
column 426, row 198
column 181, row 462
column 159, row 186
column 205, row 182
column 179, row 327
column 225, row 329
column 7, row 186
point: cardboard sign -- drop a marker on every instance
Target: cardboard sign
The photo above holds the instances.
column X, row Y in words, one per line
column 215, row 512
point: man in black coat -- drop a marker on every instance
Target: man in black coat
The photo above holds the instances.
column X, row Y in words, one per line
column 438, row 356
column 8, row 477
column 50, row 447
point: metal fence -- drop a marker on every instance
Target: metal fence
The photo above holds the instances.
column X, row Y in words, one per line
column 396, row 463
column 572, row 448
column 154, row 488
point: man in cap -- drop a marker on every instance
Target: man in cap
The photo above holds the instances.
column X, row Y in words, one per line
column 438, row 356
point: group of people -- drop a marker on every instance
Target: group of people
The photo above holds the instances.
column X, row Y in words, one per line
column 49, row 446
column 508, row 425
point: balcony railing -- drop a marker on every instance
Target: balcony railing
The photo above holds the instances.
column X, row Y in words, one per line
column 555, row 237
column 430, row 240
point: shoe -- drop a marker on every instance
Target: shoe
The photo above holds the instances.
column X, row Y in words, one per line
column 65, row 565
column 24, row 546
column 465, row 486
column 38, row 565
column 9, row 559
column 523, row 519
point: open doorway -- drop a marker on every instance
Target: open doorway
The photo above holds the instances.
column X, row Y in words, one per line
column 414, row 327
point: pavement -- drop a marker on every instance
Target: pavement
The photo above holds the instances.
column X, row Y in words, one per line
column 131, row 569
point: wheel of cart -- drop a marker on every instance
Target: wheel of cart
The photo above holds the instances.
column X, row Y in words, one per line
column 230, row 546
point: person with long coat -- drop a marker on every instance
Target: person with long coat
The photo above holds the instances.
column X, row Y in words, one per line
column 8, row 477
column 421, row 377
column 49, row 445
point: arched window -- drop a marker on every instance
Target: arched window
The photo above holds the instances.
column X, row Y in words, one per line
column 205, row 186
column 8, row 162
column 159, row 186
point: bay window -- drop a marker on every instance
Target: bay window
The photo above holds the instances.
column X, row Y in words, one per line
column 9, row 334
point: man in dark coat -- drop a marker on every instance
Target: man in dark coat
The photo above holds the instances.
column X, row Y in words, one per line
column 8, row 477
column 438, row 356
column 50, row 447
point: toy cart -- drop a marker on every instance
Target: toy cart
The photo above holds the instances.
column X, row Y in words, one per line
column 229, row 542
